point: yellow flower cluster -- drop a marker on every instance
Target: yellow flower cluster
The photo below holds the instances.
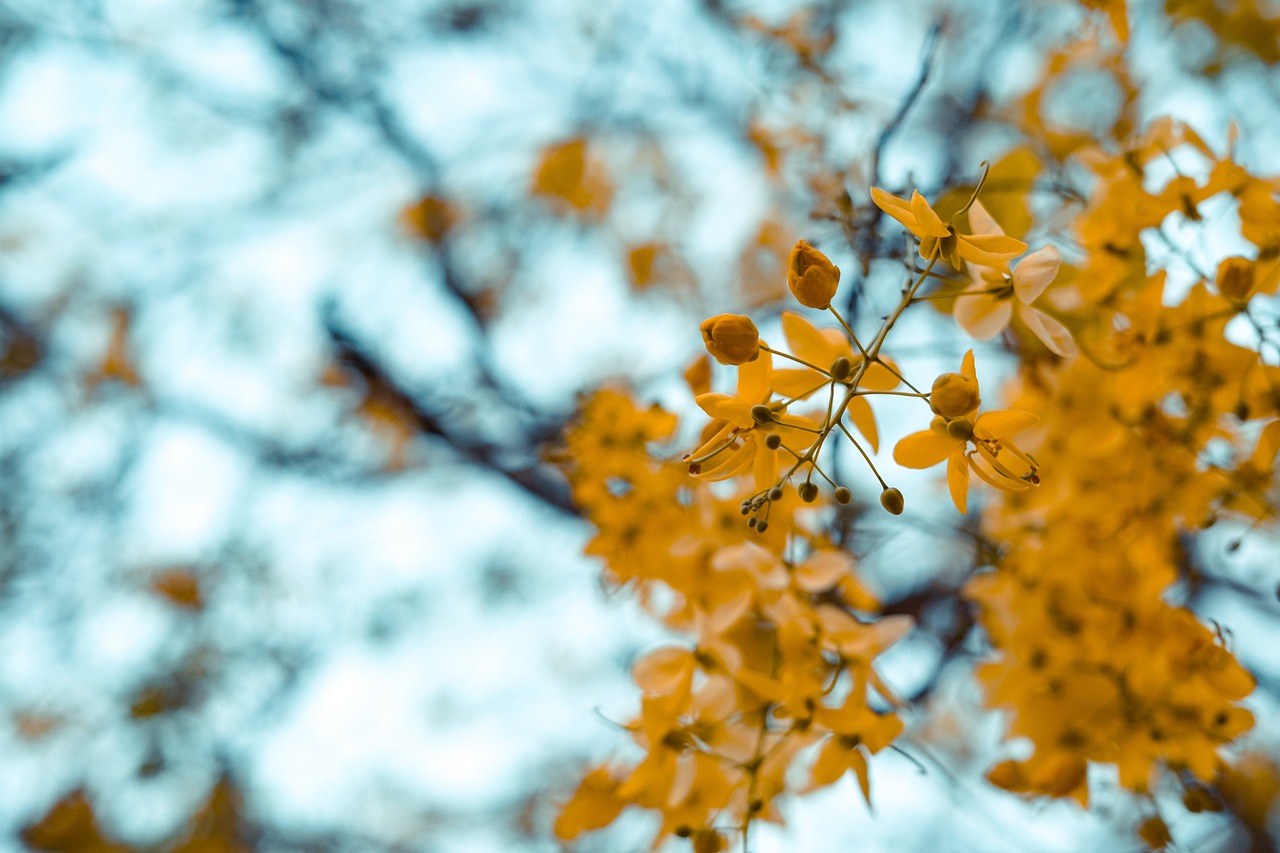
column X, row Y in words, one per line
column 780, row 652
column 1094, row 660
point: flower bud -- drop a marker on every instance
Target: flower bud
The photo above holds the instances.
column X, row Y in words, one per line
column 808, row 492
column 761, row 414
column 775, row 494
column 891, row 500
column 731, row 338
column 1235, row 279
column 841, row 368
column 812, row 277
column 954, row 395
column 773, row 441
column 842, row 494
column 961, row 428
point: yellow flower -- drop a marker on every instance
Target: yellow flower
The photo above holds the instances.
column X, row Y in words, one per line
column 993, row 458
column 856, row 731
column 986, row 306
column 821, row 348
column 735, row 441
column 731, row 338
column 940, row 239
column 812, row 277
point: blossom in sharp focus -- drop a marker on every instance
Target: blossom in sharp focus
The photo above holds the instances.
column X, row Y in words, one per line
column 981, row 444
column 985, row 307
column 940, row 239
column 734, row 441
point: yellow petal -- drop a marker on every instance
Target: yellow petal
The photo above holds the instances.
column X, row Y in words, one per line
column 926, row 448
column 753, row 378
column 981, row 223
column 858, row 762
column 732, row 409
column 797, row 382
column 865, row 420
column 806, row 342
column 594, row 806
column 730, row 464
column 982, row 315
column 1034, row 273
column 880, row 377
column 928, row 223
column 765, row 468
column 967, row 368
column 832, row 763
column 1000, row 425
column 958, row 480
column 664, row 670
column 989, row 251
column 1052, row 334
column 898, row 208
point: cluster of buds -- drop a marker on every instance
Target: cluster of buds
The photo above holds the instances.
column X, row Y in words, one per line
column 754, row 432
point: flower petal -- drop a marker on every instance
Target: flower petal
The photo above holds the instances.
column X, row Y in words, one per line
column 958, row 480
column 1034, row 273
column 1054, row 335
column 753, row 378
column 988, row 250
column 967, row 368
column 881, row 377
column 806, row 342
column 898, row 208
column 865, row 420
column 765, row 468
column 1001, row 425
column 731, row 463
column 925, row 449
column 928, row 223
column 982, row 315
column 732, row 409
column 831, row 764
column 797, row 382
column 981, row 222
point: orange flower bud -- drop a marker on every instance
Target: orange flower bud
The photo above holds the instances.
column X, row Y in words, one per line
column 1235, row 279
column 731, row 338
column 954, row 395
column 812, row 277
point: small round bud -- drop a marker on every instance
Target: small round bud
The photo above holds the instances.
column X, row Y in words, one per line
column 961, row 428
column 746, row 508
column 731, row 338
column 683, row 832
column 761, row 414
column 842, row 494
column 841, row 368
column 954, row 395
column 707, row 841
column 752, row 522
column 812, row 277
column 775, row 494
column 762, row 527
column 1235, row 279
column 808, row 492
column 891, row 500
column 773, row 441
